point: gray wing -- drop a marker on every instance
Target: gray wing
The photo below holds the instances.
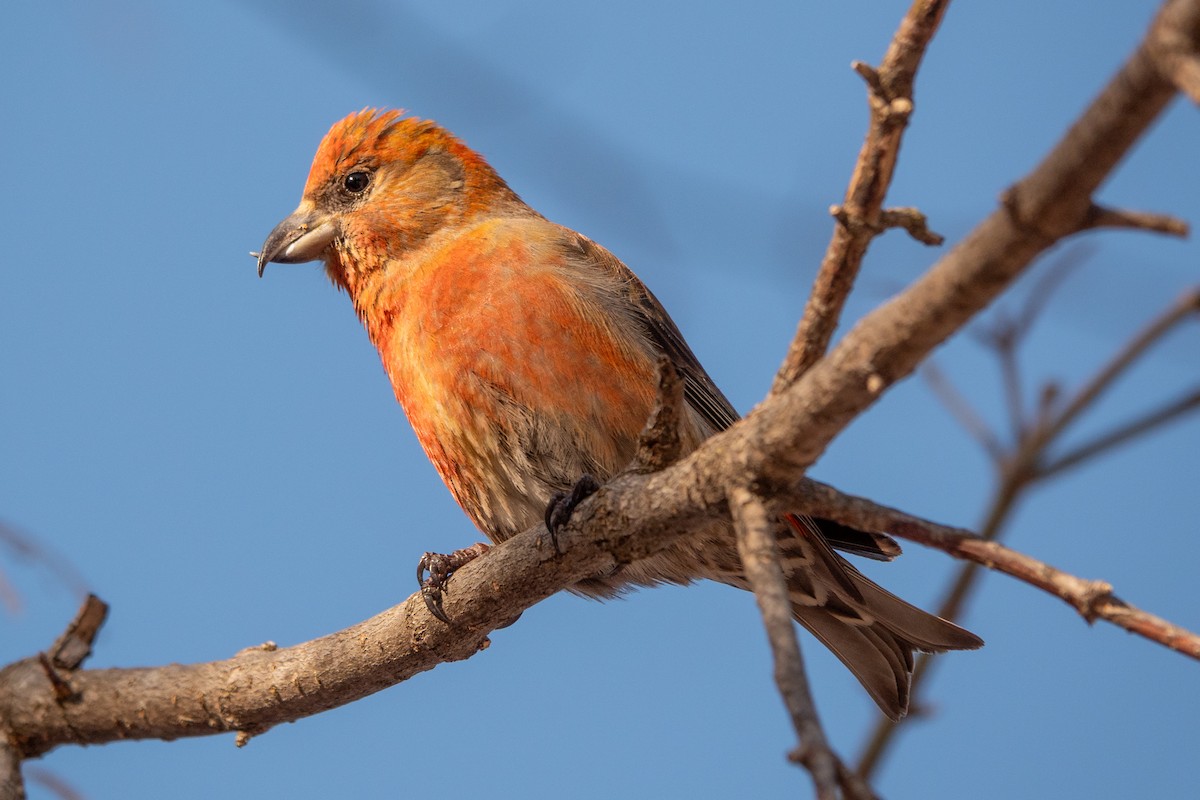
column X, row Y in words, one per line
column 699, row 390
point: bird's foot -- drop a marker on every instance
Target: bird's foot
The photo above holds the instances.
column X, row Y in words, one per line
column 440, row 567
column 562, row 505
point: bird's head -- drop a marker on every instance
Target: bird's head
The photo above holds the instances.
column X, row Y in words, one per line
column 380, row 185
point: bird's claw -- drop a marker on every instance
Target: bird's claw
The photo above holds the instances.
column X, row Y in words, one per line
column 440, row 567
column 562, row 505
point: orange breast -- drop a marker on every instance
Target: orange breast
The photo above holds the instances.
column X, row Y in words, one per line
column 492, row 331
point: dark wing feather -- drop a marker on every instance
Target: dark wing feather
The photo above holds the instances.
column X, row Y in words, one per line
column 702, row 394
column 698, row 388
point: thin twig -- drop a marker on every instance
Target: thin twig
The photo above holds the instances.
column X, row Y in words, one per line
column 906, row 217
column 891, row 99
column 1092, row 599
column 25, row 546
column 1123, row 433
column 961, row 410
column 1006, row 334
column 1187, row 304
column 1023, row 466
column 1103, row 217
column 55, row 784
column 913, row 221
column 1048, row 283
column 755, row 526
column 1010, row 378
column 75, row 644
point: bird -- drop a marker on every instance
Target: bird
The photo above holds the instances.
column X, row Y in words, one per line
column 525, row 357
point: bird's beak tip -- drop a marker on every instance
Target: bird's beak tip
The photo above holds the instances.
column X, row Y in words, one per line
column 304, row 236
column 262, row 262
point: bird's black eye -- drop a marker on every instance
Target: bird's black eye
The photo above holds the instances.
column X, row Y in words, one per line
column 356, row 182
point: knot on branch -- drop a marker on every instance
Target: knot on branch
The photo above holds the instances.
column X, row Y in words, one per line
column 893, row 108
column 1174, row 44
column 1089, row 599
column 1027, row 224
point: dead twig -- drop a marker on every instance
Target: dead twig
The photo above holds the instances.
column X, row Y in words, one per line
column 1028, row 461
column 1094, row 600
column 755, row 526
column 861, row 216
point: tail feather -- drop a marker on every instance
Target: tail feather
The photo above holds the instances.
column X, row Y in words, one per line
column 879, row 661
column 875, row 546
column 871, row 630
column 922, row 630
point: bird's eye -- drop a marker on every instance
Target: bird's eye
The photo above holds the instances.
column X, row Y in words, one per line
column 356, row 182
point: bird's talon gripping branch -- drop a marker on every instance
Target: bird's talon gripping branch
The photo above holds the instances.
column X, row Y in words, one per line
column 562, row 505
column 440, row 567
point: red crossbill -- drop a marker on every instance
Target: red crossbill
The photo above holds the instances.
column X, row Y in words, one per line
column 525, row 356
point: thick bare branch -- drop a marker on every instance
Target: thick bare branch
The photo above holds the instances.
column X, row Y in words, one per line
column 12, row 787
column 1176, row 50
column 263, row 686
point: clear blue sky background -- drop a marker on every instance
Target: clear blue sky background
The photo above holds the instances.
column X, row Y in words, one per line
column 222, row 460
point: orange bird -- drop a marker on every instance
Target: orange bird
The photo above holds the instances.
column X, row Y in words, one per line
column 525, row 356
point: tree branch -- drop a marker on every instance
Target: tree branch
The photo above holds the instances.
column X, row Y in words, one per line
column 1091, row 598
column 1025, row 464
column 1186, row 305
column 755, row 526
column 636, row 515
column 1101, row 217
column 1176, row 49
column 12, row 786
column 26, row 547
column 54, row 784
column 1123, row 433
column 1049, row 204
column 861, row 217
column 660, row 443
column 961, row 410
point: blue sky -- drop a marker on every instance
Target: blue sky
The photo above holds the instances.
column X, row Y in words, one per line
column 221, row 457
